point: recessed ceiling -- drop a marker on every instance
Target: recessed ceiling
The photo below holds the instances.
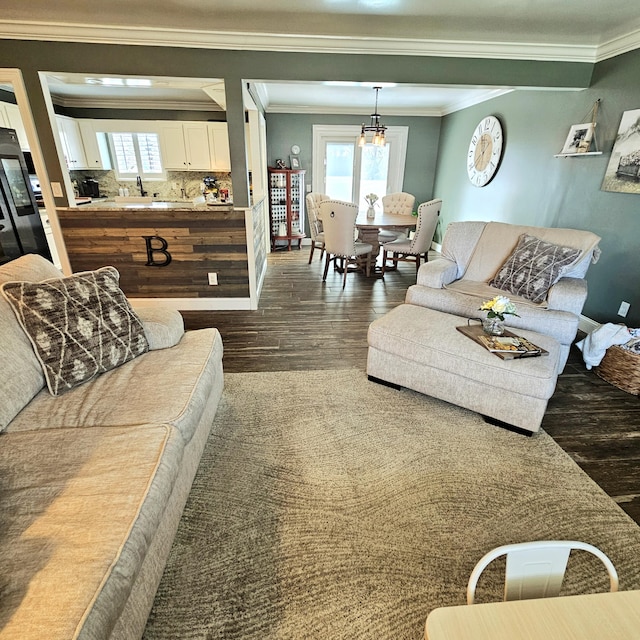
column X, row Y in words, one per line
column 122, row 92
column 134, row 92
column 359, row 98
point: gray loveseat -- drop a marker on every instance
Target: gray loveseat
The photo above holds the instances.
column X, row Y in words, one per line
column 93, row 482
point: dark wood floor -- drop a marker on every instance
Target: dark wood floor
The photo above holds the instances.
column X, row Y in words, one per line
column 303, row 323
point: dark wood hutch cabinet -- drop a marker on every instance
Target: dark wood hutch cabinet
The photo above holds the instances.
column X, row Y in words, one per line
column 286, row 207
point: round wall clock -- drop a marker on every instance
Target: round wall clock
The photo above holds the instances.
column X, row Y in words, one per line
column 485, row 151
column 295, row 149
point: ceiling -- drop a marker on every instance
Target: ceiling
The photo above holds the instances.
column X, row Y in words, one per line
column 569, row 30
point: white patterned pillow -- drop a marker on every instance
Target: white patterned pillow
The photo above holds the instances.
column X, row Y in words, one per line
column 79, row 326
column 534, row 267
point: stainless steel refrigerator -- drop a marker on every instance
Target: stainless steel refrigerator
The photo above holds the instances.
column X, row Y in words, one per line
column 21, row 229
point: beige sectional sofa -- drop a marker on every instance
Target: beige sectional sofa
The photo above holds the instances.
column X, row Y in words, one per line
column 93, row 482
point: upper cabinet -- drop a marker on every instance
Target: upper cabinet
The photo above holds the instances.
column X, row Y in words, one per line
column 10, row 118
column 95, row 145
column 71, row 140
column 185, row 146
column 219, row 144
column 195, row 146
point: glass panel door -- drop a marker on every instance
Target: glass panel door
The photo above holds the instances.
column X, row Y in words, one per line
column 374, row 172
column 345, row 171
column 339, row 170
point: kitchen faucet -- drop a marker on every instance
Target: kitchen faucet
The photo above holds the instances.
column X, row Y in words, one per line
column 139, row 183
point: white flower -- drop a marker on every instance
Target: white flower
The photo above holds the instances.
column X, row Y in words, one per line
column 499, row 307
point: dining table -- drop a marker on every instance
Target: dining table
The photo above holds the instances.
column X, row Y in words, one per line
column 369, row 228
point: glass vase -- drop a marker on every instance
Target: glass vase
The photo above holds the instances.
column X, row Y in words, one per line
column 371, row 213
column 493, row 326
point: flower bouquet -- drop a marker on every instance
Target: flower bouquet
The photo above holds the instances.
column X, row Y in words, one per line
column 371, row 200
column 497, row 309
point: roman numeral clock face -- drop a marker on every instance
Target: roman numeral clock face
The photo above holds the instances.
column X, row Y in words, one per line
column 485, row 151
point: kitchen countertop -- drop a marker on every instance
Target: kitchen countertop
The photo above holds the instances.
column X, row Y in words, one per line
column 174, row 205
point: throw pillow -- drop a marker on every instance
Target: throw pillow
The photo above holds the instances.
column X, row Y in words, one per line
column 79, row 326
column 533, row 268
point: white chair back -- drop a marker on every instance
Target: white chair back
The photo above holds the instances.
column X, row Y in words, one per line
column 313, row 201
column 428, row 215
column 339, row 223
column 536, row 569
column 400, row 203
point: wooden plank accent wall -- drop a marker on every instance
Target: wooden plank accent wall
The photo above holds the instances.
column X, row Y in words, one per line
column 199, row 241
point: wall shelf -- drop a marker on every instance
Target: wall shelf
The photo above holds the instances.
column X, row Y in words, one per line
column 578, row 155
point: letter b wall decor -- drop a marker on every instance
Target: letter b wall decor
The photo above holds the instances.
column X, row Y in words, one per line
column 162, row 249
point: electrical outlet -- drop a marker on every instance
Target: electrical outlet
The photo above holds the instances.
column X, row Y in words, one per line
column 624, row 309
column 213, row 278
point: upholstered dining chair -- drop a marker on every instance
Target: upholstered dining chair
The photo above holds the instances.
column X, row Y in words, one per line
column 412, row 249
column 313, row 201
column 536, row 569
column 397, row 204
column 339, row 223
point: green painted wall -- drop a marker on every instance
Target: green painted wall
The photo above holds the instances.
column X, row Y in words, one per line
column 532, row 187
column 285, row 130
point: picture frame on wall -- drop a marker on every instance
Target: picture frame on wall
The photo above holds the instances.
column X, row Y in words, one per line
column 579, row 138
column 623, row 171
column 295, row 162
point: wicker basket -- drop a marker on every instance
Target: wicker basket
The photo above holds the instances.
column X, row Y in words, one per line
column 621, row 368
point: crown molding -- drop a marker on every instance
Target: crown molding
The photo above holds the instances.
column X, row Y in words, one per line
column 346, row 111
column 124, row 103
column 248, row 41
column 619, row 45
column 476, row 99
column 393, row 111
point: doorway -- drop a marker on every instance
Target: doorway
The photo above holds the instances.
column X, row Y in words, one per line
column 345, row 171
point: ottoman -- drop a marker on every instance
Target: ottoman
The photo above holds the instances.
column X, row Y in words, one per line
column 421, row 349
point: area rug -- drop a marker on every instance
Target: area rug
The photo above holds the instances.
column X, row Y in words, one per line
column 327, row 506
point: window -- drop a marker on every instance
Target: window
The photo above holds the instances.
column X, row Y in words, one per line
column 136, row 154
column 345, row 171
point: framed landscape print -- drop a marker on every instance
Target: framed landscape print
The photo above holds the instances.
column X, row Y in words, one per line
column 623, row 170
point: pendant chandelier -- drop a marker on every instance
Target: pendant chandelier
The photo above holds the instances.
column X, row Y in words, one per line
column 374, row 126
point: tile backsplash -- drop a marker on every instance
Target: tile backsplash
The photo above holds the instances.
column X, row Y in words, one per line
column 179, row 184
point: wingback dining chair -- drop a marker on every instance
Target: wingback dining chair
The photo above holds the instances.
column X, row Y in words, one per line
column 412, row 249
column 313, row 201
column 339, row 224
column 536, row 569
column 396, row 204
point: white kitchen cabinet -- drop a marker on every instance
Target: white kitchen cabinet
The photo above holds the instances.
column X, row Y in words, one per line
column 10, row 117
column 55, row 256
column 15, row 122
column 185, row 146
column 71, row 140
column 219, row 146
column 196, row 142
column 95, row 146
column 174, row 154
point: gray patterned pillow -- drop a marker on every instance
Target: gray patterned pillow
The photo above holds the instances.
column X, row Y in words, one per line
column 533, row 268
column 79, row 326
